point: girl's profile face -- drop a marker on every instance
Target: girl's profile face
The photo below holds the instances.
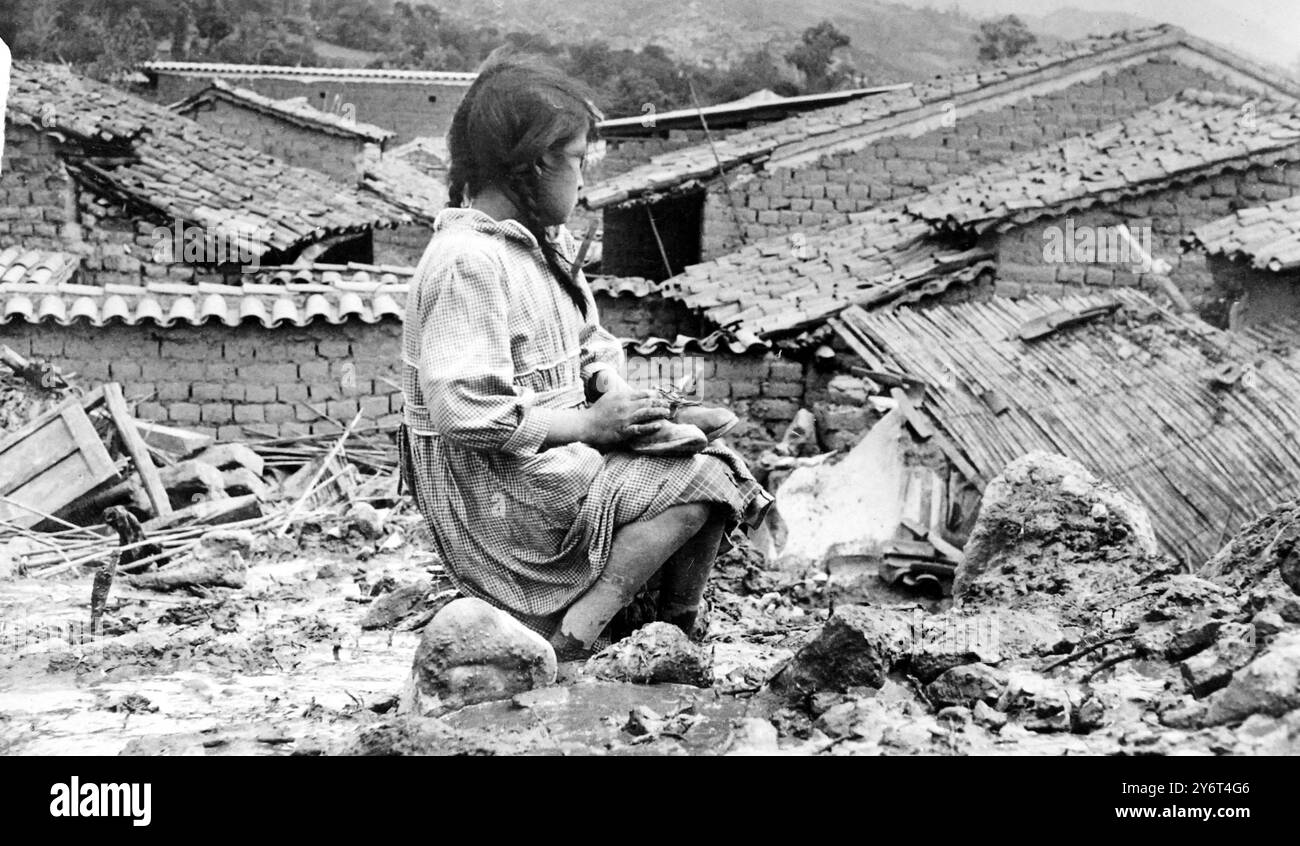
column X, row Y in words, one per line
column 561, row 181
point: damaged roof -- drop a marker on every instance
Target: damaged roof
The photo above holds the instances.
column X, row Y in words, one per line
column 295, row 110
column 1199, row 424
column 788, row 282
column 920, row 244
column 1190, row 136
column 1268, row 236
column 863, row 120
column 142, row 152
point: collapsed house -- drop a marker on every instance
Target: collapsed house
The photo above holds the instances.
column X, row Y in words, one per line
column 821, row 168
column 1199, row 424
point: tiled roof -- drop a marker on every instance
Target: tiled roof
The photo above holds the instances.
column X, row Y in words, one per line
column 42, row 267
column 623, row 286
column 295, row 110
column 206, row 69
column 148, row 154
column 269, row 296
column 679, row 167
column 687, row 345
column 1139, row 398
column 411, row 176
column 272, row 296
column 1266, row 236
column 787, row 282
column 1188, row 136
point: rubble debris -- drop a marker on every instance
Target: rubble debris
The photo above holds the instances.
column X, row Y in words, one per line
column 1050, row 534
column 229, row 456
column 657, row 653
column 753, row 736
column 365, row 520
column 391, row 608
column 168, row 439
column 1036, row 703
column 966, row 685
column 1268, row 685
column 471, row 652
column 229, row 571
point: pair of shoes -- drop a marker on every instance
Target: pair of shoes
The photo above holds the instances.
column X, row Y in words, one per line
column 689, row 427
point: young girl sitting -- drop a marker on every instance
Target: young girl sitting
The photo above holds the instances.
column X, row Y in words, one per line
column 535, row 497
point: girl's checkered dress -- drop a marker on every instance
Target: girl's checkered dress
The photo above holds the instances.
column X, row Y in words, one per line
column 491, row 346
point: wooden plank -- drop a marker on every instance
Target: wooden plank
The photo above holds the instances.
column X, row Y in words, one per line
column 87, row 402
column 137, row 449
column 59, row 485
column 92, row 448
column 180, row 442
column 29, row 457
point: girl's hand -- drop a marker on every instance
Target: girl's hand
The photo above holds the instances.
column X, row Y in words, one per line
column 618, row 416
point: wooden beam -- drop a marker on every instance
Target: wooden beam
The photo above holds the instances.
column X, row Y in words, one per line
column 137, row 449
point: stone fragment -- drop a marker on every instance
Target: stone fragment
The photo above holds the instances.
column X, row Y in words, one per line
column 1270, row 684
column 1038, row 703
column 966, row 685
column 391, row 608
column 657, row 653
column 364, row 519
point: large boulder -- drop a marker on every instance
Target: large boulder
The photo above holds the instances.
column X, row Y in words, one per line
column 1051, row 535
column 471, row 652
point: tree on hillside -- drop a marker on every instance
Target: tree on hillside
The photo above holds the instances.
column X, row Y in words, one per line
column 815, row 54
column 1003, row 38
column 755, row 71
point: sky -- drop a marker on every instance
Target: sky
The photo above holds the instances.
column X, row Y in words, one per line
column 1268, row 29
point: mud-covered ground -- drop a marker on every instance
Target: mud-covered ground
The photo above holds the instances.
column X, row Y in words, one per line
column 284, row 665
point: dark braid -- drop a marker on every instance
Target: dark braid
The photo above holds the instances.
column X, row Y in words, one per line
column 523, row 189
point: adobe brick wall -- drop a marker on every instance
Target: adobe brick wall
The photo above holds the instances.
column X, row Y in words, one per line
column 824, row 193
column 1170, row 215
column 37, row 195
column 216, row 378
column 403, row 107
column 645, row 317
column 332, row 154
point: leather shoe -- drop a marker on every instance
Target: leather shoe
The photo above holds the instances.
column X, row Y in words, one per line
column 670, row 439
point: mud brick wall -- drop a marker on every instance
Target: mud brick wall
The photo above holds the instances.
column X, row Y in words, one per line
column 646, row 317
column 1170, row 215
column 38, row 200
column 410, row 109
column 216, row 379
column 310, row 148
column 824, row 193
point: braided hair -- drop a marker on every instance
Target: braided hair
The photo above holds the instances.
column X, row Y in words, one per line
column 518, row 109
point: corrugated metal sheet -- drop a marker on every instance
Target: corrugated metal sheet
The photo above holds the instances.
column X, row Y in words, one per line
column 1200, row 425
column 1268, row 236
column 203, row 69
